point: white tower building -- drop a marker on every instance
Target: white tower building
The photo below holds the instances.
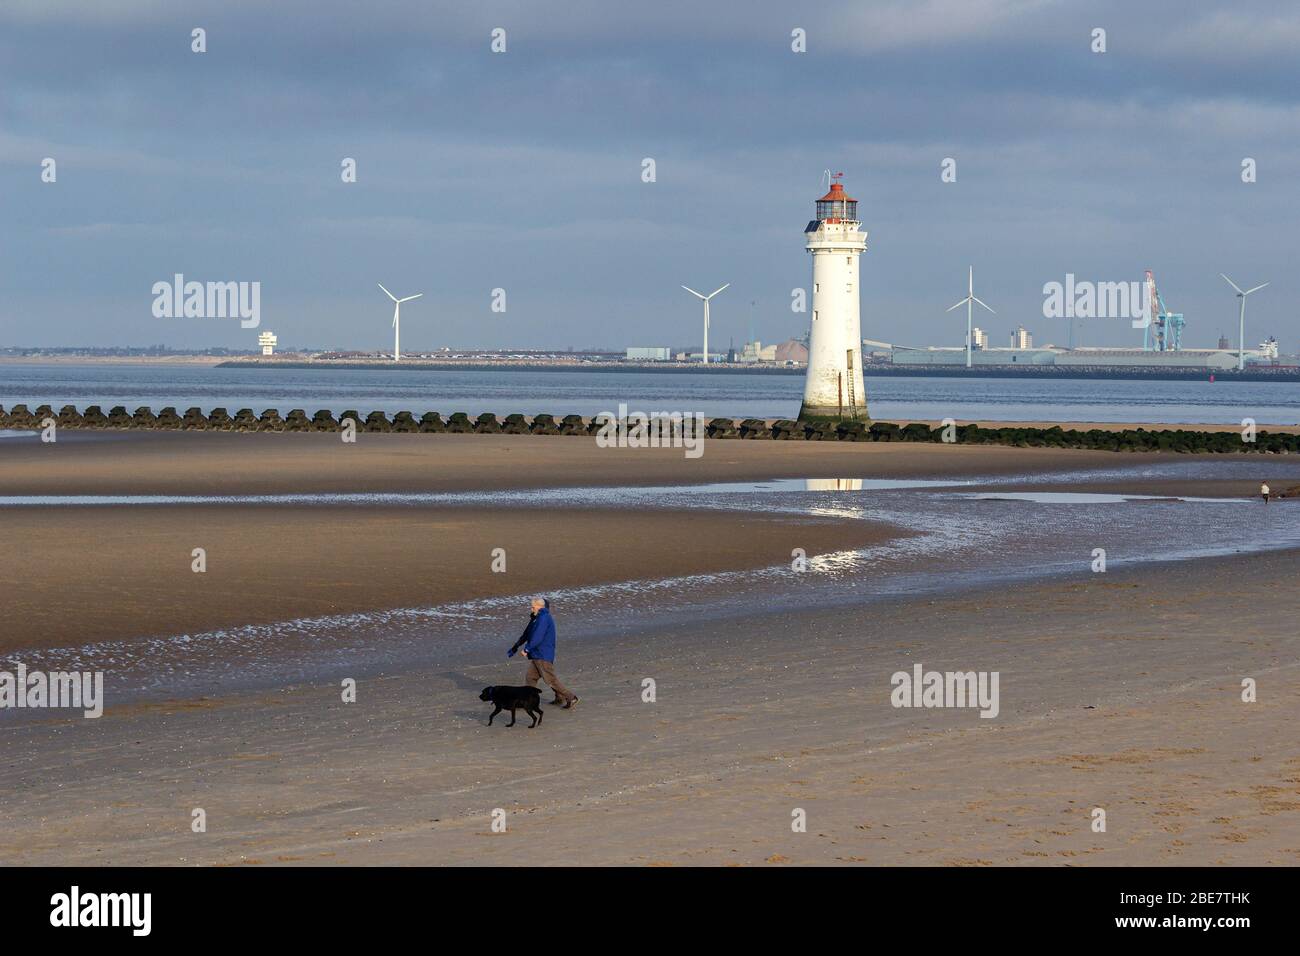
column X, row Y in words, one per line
column 268, row 342
column 834, row 386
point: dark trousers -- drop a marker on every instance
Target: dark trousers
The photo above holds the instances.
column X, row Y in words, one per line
column 545, row 670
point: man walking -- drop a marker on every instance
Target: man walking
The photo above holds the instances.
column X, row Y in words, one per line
column 538, row 645
column 1264, row 492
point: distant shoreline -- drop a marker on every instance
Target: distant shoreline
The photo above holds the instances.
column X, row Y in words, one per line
column 1290, row 375
column 1280, row 374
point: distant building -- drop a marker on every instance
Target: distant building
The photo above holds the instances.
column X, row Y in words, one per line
column 649, row 355
column 1268, row 348
column 979, row 338
column 268, row 341
column 957, row 356
column 755, row 352
column 1224, row 343
column 1021, row 339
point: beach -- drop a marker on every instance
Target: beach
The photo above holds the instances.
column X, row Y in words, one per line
column 771, row 692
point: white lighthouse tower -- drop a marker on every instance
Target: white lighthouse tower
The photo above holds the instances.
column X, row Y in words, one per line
column 834, row 386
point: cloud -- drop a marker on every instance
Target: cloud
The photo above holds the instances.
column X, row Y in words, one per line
column 522, row 170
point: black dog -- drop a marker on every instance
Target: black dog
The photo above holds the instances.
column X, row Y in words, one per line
column 513, row 698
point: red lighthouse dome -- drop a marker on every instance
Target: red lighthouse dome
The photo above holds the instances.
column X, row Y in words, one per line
column 836, row 205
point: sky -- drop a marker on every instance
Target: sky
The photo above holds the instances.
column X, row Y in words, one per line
column 522, row 170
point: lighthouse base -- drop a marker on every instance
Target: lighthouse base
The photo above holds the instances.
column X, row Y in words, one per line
column 833, row 413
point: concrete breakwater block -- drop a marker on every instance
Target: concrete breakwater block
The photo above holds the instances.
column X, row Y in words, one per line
column 378, row 422
column 754, row 428
column 458, row 423
column 544, row 425
column 143, row 417
column 722, row 428
column 784, row 429
column 405, row 423
column 820, row 431
column 297, row 421
column 94, row 417
column 573, row 425
column 167, row 418
column 852, row 431
column 515, row 424
column 194, row 419
column 487, row 424
column 219, row 420
column 323, row 421
column 432, row 422
column 69, row 417
column 270, row 421
column 18, row 417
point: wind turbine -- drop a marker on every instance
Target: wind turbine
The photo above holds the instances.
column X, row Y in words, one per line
column 970, row 298
column 397, row 320
column 1241, row 326
column 706, row 299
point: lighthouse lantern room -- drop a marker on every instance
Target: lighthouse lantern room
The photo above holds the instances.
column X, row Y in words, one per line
column 834, row 388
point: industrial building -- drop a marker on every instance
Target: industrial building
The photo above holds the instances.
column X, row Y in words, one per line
column 1051, row 355
column 755, row 351
column 649, row 354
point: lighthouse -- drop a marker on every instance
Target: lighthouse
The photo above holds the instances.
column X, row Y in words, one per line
column 835, row 239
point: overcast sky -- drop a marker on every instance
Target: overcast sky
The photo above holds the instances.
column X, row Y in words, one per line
column 523, row 170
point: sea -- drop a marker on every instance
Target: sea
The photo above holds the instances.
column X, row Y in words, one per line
column 713, row 394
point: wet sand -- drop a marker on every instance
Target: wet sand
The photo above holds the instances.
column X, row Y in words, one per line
column 75, row 575
column 201, row 463
column 1113, row 694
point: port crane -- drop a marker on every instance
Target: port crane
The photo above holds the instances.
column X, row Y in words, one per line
column 1165, row 333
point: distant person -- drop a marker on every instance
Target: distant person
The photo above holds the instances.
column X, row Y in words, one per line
column 1263, row 492
column 538, row 645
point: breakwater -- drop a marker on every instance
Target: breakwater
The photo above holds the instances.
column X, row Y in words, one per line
column 1176, row 440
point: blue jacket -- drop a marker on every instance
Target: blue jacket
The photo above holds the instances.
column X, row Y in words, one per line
column 539, row 638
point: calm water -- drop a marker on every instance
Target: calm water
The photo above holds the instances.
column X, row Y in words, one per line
column 588, row 393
